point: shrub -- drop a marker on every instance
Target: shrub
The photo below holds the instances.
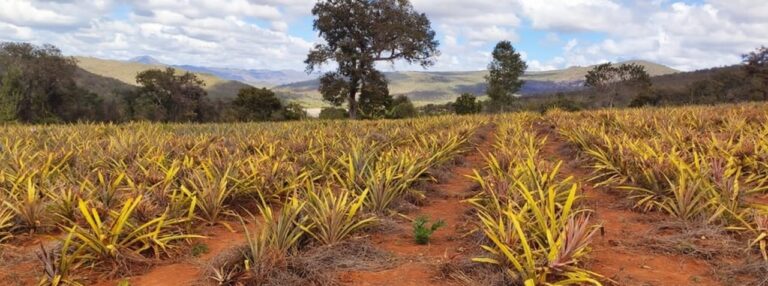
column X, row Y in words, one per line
column 333, row 113
column 645, row 100
column 467, row 104
column 402, row 107
column 256, row 104
column 294, row 111
column 422, row 232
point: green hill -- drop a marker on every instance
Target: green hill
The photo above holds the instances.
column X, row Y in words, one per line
column 422, row 87
column 106, row 87
column 440, row 87
column 125, row 72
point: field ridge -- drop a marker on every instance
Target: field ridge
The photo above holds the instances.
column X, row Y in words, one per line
column 618, row 252
column 421, row 263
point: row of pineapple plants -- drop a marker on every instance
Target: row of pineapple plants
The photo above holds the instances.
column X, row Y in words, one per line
column 534, row 226
column 125, row 195
column 355, row 192
column 699, row 164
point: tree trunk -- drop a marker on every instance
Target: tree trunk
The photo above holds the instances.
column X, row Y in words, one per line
column 765, row 88
column 353, row 98
column 613, row 96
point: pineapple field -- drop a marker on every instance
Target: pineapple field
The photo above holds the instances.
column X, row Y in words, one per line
column 647, row 196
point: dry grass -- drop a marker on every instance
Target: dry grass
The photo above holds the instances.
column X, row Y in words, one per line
column 314, row 266
column 468, row 273
column 698, row 240
column 733, row 275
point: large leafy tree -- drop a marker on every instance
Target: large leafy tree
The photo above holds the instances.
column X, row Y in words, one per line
column 756, row 66
column 611, row 78
column 10, row 94
column 360, row 33
column 504, row 74
column 170, row 97
column 37, row 85
column 375, row 99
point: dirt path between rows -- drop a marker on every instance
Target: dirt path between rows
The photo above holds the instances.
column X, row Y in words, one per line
column 420, row 263
column 189, row 271
column 620, row 254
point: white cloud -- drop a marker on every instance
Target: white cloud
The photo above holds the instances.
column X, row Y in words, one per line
column 575, row 15
column 470, row 28
column 535, row 65
column 206, row 8
column 684, row 36
column 746, row 11
column 233, row 33
column 41, row 13
column 258, row 33
column 491, row 34
column 16, row 32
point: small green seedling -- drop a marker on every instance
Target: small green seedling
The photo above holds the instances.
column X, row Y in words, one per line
column 199, row 249
column 422, row 232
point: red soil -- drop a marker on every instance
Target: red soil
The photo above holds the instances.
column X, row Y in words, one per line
column 619, row 254
column 422, row 261
column 189, row 272
column 20, row 270
column 19, row 264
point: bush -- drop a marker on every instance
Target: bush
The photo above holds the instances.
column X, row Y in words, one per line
column 294, row 111
column 402, row 107
column 422, row 232
column 333, row 113
column 644, row 100
column 467, row 104
column 256, row 104
column 436, row 109
column 563, row 103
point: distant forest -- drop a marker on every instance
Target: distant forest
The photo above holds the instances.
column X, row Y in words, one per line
column 40, row 85
column 732, row 84
column 703, row 87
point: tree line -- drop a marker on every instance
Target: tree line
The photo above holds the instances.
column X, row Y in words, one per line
column 39, row 85
column 616, row 85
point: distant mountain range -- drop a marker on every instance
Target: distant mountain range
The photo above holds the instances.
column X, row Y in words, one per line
column 262, row 78
column 255, row 77
column 125, row 72
column 440, row 87
column 421, row 87
column 147, row 60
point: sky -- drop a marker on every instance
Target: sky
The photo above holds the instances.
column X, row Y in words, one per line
column 277, row 34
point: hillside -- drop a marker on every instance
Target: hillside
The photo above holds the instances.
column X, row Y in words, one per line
column 441, row 87
column 261, row 78
column 105, row 87
column 422, row 87
column 670, row 89
column 126, row 71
